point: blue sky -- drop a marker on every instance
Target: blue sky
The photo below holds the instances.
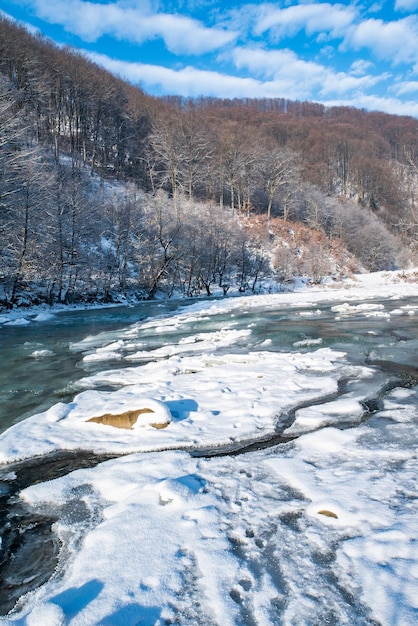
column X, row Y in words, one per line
column 362, row 54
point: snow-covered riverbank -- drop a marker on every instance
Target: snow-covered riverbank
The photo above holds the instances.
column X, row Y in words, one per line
column 319, row 530
column 382, row 284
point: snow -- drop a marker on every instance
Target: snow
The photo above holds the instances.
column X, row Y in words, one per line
column 359, row 286
column 43, row 317
column 211, row 399
column 47, row 614
column 37, row 354
column 19, row 321
column 321, row 529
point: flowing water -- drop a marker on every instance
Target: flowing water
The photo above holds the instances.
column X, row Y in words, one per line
column 42, row 361
column 39, row 363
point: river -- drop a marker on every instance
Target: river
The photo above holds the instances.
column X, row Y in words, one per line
column 274, row 404
column 40, row 364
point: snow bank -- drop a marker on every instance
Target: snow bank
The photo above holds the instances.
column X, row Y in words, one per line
column 382, row 284
column 323, row 527
column 207, row 400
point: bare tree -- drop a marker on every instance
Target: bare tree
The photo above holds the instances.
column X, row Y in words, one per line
column 167, row 157
column 278, row 168
column 27, row 203
column 19, row 184
column 367, row 237
column 157, row 244
column 196, row 150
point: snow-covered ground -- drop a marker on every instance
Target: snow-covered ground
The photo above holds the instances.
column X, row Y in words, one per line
column 318, row 530
column 384, row 284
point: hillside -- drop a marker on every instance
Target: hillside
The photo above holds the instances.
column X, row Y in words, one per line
column 106, row 191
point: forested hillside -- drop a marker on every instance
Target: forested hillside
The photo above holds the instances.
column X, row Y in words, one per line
column 106, row 191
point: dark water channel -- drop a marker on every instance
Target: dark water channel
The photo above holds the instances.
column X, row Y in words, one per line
column 30, row 550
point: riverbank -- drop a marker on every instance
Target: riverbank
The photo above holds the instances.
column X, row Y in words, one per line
column 376, row 284
column 192, row 523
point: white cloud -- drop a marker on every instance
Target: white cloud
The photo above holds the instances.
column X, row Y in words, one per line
column 307, row 77
column 360, row 67
column 294, row 79
column 396, row 41
column 263, row 72
column 274, row 63
column 187, row 81
column 393, row 106
column 193, row 82
column 29, row 27
column 341, row 83
column 405, row 87
column 333, row 19
column 181, row 34
column 406, row 5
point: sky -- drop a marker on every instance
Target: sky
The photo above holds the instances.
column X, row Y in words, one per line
column 362, row 54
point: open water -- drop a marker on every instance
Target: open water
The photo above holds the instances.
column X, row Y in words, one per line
column 39, row 364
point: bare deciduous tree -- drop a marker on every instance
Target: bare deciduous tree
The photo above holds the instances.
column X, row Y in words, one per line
column 278, row 167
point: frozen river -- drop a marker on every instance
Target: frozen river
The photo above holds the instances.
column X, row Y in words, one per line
column 42, row 359
column 279, row 486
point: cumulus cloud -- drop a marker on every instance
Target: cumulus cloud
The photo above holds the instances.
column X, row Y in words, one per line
column 393, row 106
column 29, row 27
column 332, row 19
column 320, row 67
column 340, row 83
column 397, row 40
column 193, row 82
column 271, row 63
column 90, row 21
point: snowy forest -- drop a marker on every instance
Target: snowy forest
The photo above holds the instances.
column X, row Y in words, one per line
column 107, row 192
